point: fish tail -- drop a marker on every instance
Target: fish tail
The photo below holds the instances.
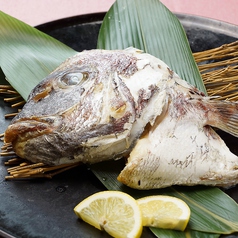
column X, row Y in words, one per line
column 223, row 115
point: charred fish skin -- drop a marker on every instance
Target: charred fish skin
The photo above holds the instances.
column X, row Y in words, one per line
column 101, row 105
column 92, row 108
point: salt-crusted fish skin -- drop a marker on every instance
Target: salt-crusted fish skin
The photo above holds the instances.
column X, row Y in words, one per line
column 180, row 149
column 92, row 108
column 100, row 105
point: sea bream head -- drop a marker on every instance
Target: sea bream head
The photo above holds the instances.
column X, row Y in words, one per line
column 100, row 105
column 93, row 107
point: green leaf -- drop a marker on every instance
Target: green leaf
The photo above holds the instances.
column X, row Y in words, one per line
column 28, row 55
column 148, row 25
column 212, row 210
column 178, row 234
column 209, row 213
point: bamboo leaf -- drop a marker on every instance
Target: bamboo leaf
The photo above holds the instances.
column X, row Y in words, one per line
column 148, row 25
column 209, row 203
column 212, row 210
column 28, row 55
column 178, row 234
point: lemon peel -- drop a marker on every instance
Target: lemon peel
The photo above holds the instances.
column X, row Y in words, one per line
column 164, row 212
column 115, row 212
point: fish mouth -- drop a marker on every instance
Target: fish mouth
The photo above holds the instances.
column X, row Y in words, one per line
column 23, row 130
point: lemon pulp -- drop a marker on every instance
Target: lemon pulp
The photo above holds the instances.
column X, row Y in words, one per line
column 164, row 212
column 115, row 212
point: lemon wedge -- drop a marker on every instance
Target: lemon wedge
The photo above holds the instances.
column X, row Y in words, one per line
column 164, row 212
column 115, row 212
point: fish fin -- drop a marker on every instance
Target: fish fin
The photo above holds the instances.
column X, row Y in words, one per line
column 224, row 115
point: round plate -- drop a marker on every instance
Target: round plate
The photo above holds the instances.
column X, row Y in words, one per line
column 44, row 208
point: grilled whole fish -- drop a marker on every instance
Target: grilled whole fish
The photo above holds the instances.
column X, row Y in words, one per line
column 100, row 105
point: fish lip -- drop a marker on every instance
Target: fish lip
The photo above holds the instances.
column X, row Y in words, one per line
column 28, row 128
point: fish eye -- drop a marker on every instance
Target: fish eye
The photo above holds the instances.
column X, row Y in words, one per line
column 72, row 79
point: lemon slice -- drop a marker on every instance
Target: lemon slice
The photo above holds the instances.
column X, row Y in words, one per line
column 164, row 212
column 115, row 212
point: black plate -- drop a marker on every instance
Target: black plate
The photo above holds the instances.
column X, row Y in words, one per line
column 44, row 208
